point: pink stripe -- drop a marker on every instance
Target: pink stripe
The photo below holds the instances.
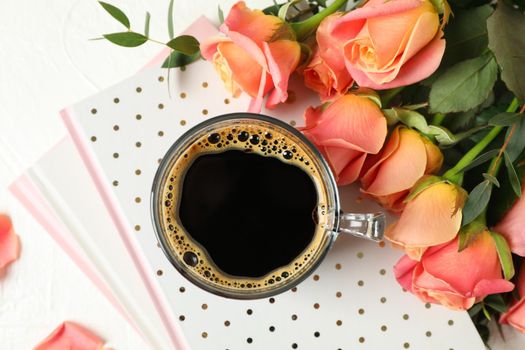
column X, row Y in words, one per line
column 126, row 235
column 33, row 200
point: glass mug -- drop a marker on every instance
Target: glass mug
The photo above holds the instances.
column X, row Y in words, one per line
column 245, row 207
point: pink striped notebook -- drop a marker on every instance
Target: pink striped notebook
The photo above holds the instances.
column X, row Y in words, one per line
column 120, row 134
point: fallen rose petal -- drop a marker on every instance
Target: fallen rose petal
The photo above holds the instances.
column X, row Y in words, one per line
column 71, row 336
column 9, row 242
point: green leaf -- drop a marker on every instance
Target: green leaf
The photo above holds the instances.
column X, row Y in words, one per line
column 116, row 13
column 146, row 24
column 496, row 302
column 474, row 310
column 477, row 202
column 422, row 184
column 126, row 39
column 492, row 179
column 513, row 175
column 505, row 255
column 506, row 39
column 220, row 13
column 464, row 86
column 505, row 119
column 177, row 59
column 466, row 34
column 171, row 31
column 480, row 160
column 468, row 233
column 185, row 44
column 517, row 142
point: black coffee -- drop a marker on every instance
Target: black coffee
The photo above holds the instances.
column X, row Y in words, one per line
column 244, row 208
column 251, row 213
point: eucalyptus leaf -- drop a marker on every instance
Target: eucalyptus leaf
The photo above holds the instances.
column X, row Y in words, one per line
column 485, row 157
column 220, row 13
column 505, row 119
column 146, row 24
column 126, row 39
column 185, row 44
column 513, row 175
column 485, row 312
column 517, row 142
column 469, row 233
column 411, row 119
column 171, row 31
column 177, row 59
column 116, row 13
column 477, row 202
column 284, row 9
column 506, row 28
column 445, row 138
column 492, row 179
column 464, row 85
column 505, row 255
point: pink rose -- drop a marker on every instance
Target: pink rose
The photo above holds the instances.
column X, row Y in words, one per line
column 9, row 243
column 72, row 337
column 515, row 316
column 408, row 150
column 512, row 226
column 454, row 279
column 326, row 73
column 389, row 44
column 431, row 218
column 345, row 132
column 253, row 57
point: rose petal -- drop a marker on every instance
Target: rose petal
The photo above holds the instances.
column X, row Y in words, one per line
column 432, row 289
column 283, row 57
column 70, row 336
column 351, row 172
column 209, row 46
column 403, row 271
column 245, row 70
column 486, row 287
column 9, row 242
column 465, row 270
column 331, row 53
column 409, row 156
column 251, row 23
column 350, row 24
column 400, row 28
column 429, row 219
column 355, row 120
column 512, row 226
column 420, row 67
column 515, row 316
column 434, row 157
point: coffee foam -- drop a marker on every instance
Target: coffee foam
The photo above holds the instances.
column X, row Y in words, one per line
column 268, row 141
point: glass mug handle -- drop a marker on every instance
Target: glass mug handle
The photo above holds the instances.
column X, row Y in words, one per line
column 369, row 226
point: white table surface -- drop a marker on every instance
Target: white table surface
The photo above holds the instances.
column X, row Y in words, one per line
column 46, row 63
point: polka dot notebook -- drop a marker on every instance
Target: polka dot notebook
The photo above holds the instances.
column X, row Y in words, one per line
column 352, row 301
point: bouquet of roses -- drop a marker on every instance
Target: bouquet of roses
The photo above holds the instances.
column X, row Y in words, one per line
column 421, row 102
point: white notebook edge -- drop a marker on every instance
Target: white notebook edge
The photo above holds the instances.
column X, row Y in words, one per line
column 32, row 199
column 94, row 169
